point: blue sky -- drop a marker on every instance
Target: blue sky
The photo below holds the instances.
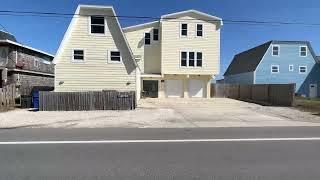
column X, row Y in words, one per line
column 46, row 33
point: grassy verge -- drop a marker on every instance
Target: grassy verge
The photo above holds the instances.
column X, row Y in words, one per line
column 308, row 104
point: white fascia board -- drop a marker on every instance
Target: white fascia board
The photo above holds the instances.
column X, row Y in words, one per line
column 24, row 46
column 139, row 25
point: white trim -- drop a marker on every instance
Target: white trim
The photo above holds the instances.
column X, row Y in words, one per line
column 278, row 67
column 195, row 60
column 105, row 25
column 301, row 51
column 193, row 11
column 303, row 72
column 31, row 72
column 78, row 60
column 151, row 75
column 139, row 25
column 27, row 47
column 274, row 45
column 109, row 57
column 196, row 30
column 291, row 65
column 180, row 30
column 144, row 38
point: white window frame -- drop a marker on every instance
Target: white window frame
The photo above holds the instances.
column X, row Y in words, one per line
column 291, row 69
column 303, row 72
column 195, row 59
column 278, row 67
column 105, row 27
column 144, row 38
column 273, row 51
column 197, row 30
column 301, row 51
column 153, row 35
column 181, row 29
column 77, row 60
column 109, row 57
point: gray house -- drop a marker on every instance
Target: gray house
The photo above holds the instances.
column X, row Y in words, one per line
column 24, row 66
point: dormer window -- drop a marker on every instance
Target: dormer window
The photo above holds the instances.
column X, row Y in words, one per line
column 303, row 51
column 275, row 50
column 184, row 29
column 97, row 25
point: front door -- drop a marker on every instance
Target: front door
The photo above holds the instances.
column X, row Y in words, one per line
column 150, row 88
column 313, row 90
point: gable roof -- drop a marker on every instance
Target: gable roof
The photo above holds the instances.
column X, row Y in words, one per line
column 77, row 13
column 206, row 17
column 248, row 61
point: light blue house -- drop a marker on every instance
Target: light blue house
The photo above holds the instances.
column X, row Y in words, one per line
column 278, row 62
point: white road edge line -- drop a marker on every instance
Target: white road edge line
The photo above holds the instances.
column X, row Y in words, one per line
column 160, row 141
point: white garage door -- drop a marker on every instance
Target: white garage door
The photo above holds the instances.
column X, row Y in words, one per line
column 174, row 88
column 196, row 88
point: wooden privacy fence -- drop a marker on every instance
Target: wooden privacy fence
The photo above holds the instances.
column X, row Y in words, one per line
column 7, row 96
column 86, row 101
column 267, row 94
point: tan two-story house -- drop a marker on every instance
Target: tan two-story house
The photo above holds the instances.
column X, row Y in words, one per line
column 176, row 56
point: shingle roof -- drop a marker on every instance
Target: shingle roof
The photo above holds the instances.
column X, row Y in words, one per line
column 248, row 61
column 7, row 36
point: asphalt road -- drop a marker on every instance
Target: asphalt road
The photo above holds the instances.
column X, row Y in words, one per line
column 259, row 159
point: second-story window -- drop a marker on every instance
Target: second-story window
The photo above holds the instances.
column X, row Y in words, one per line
column 115, row 56
column 199, row 30
column 199, row 59
column 275, row 50
column 184, row 29
column 303, row 51
column 97, row 25
column 183, row 59
column 78, row 55
column 191, row 59
column 156, row 34
column 147, row 39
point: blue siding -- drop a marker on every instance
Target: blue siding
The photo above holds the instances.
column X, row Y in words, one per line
column 243, row 78
column 289, row 55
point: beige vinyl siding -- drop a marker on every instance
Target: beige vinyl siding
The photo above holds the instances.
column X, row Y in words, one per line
column 150, row 54
column 173, row 44
column 95, row 73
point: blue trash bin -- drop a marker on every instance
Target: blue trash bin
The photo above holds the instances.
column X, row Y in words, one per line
column 35, row 100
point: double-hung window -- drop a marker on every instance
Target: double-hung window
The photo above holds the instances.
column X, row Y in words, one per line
column 302, row 69
column 191, row 59
column 199, row 30
column 199, row 59
column 147, row 39
column 115, row 56
column 275, row 69
column 97, row 25
column 303, row 51
column 275, row 50
column 184, row 58
column 156, row 34
column 184, row 29
column 78, row 55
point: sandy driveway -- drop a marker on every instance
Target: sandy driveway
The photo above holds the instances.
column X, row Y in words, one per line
column 167, row 113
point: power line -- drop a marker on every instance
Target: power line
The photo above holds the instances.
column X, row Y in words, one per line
column 226, row 21
column 3, row 27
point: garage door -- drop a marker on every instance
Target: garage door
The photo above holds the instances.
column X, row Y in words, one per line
column 196, row 88
column 174, row 88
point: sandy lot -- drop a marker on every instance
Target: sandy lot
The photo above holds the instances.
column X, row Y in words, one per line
column 167, row 113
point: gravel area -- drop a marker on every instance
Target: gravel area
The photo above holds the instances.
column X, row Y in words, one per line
column 166, row 113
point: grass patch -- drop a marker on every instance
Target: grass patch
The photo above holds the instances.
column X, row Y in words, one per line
column 308, row 104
